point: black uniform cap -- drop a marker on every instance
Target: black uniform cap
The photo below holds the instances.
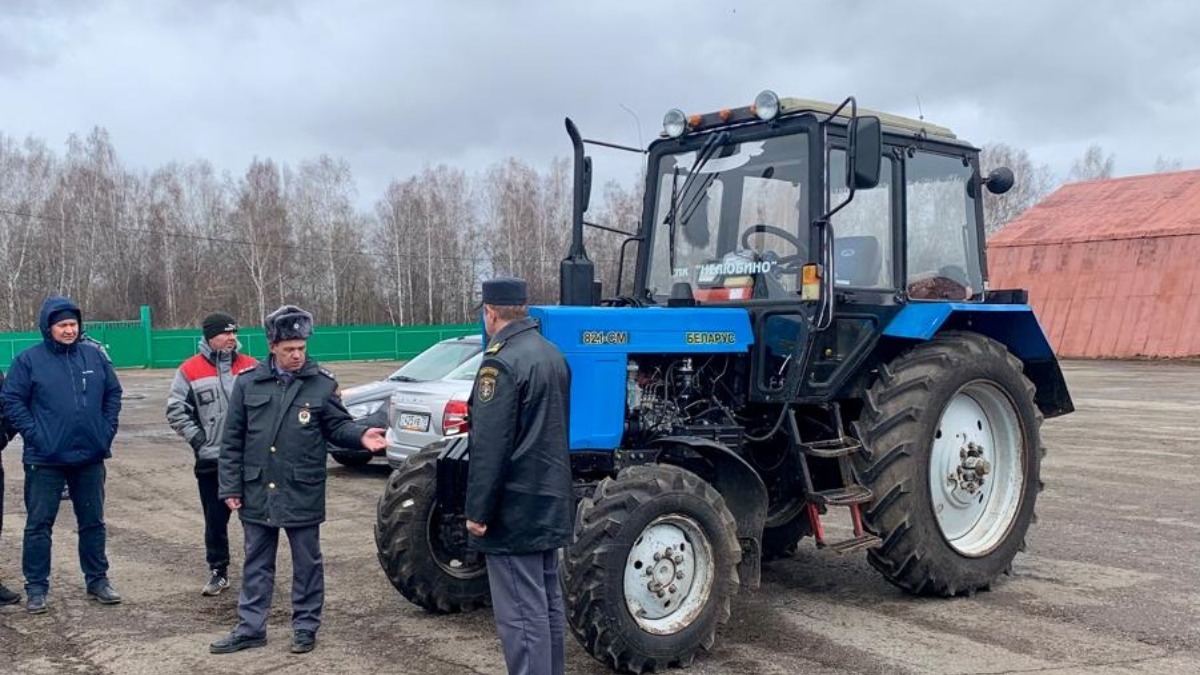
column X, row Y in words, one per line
column 505, row 291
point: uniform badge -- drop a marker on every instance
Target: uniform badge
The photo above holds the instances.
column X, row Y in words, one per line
column 305, row 416
column 487, row 388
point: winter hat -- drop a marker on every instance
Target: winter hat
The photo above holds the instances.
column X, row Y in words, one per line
column 288, row 323
column 62, row 315
column 218, row 322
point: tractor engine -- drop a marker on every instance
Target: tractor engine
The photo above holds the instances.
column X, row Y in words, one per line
column 682, row 395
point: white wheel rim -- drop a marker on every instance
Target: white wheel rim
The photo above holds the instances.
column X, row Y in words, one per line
column 668, row 575
column 975, row 469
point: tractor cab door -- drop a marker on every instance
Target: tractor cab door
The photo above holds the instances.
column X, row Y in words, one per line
column 796, row 362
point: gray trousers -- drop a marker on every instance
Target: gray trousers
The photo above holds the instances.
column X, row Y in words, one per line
column 258, row 578
column 528, row 605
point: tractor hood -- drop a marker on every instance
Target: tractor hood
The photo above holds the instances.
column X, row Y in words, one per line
column 599, row 341
column 645, row 330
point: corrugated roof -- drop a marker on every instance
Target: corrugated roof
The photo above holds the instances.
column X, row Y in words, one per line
column 1155, row 205
column 1110, row 266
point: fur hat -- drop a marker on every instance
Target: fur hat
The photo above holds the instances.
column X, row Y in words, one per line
column 289, row 322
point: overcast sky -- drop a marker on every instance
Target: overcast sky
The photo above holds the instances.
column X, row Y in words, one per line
column 394, row 85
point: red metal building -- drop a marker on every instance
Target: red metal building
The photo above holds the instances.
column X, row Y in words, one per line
column 1112, row 266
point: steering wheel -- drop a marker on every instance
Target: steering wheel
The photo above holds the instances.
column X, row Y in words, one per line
column 787, row 263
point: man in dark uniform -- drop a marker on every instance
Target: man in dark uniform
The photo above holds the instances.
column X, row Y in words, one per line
column 519, row 501
column 281, row 416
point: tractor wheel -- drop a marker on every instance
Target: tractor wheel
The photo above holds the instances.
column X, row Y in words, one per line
column 952, row 452
column 412, row 550
column 782, row 541
column 652, row 570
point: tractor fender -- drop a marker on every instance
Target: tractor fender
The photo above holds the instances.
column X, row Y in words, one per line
column 740, row 486
column 1013, row 325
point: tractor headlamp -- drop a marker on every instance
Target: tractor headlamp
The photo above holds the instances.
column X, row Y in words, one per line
column 766, row 105
column 674, row 123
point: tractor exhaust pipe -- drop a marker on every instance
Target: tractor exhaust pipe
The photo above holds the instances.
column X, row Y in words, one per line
column 576, row 273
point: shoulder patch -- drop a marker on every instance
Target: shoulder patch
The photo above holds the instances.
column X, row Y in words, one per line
column 494, row 348
column 488, row 371
column 487, row 388
column 326, row 373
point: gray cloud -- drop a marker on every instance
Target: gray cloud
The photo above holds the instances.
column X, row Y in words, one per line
column 392, row 86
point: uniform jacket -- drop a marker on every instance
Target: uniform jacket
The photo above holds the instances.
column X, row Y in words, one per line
column 519, row 475
column 274, row 443
column 199, row 398
column 63, row 399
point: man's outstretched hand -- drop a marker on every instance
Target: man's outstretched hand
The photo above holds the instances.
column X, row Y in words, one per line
column 374, row 440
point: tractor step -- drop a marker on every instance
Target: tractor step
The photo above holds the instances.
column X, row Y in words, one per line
column 844, row 496
column 836, row 447
column 862, row 541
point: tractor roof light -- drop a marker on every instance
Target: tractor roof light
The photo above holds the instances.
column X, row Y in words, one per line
column 674, row 123
column 766, row 105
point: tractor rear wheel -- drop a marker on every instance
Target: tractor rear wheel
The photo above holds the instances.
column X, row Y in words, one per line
column 952, row 452
column 653, row 568
column 412, row 548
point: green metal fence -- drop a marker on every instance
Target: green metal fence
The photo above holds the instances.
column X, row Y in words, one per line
column 133, row 344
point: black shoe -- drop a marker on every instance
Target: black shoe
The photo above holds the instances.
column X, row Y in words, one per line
column 103, row 593
column 8, row 597
column 36, row 604
column 303, row 641
column 217, row 582
column 235, row 643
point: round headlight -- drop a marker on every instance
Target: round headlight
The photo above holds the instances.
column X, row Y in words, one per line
column 674, row 123
column 766, row 105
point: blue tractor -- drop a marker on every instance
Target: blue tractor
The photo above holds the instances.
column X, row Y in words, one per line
column 809, row 331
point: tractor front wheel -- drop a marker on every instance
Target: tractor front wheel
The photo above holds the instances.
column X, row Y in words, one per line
column 412, row 545
column 653, row 568
column 952, row 452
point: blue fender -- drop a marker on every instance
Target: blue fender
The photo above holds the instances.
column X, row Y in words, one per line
column 1013, row 325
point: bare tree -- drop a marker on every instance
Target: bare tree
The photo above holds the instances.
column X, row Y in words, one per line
column 1164, row 165
column 1030, row 184
column 1094, row 165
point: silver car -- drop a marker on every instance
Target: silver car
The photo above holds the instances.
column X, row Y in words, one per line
column 368, row 402
column 422, row 413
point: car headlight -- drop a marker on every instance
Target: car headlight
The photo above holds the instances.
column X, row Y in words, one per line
column 359, row 410
column 766, row 105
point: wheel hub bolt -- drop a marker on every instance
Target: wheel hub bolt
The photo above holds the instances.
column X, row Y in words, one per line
column 657, row 557
column 660, row 593
column 679, row 574
column 673, row 589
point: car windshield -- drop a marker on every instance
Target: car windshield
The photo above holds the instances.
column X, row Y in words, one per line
column 436, row 362
column 739, row 231
column 467, row 370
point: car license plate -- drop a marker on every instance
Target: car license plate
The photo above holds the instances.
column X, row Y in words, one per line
column 414, row 422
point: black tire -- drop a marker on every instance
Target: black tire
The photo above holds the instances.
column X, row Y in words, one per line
column 609, row 525
column 782, row 541
column 900, row 420
column 411, row 552
column 352, row 458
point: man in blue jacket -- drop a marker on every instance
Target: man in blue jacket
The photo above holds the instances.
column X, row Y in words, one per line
column 63, row 397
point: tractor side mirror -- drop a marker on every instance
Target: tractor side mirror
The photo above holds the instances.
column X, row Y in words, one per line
column 866, row 148
column 999, row 180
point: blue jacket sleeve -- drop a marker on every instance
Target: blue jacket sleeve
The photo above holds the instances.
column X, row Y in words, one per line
column 112, row 396
column 17, row 396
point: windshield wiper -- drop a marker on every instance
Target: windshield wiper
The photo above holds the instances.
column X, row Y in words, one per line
column 705, row 153
column 403, row 378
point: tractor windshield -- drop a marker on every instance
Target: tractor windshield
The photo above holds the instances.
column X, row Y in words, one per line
column 739, row 231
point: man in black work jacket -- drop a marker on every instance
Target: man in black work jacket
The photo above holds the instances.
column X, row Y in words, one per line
column 281, row 416
column 519, row 502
